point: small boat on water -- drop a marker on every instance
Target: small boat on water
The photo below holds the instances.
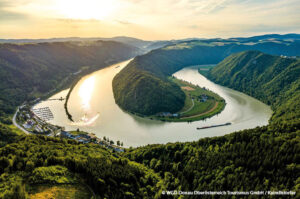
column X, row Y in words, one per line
column 212, row 126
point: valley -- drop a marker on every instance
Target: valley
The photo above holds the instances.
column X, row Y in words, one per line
column 136, row 99
column 253, row 147
column 94, row 110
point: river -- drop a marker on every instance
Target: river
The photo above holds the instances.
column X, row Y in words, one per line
column 93, row 108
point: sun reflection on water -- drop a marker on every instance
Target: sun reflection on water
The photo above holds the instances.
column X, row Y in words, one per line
column 85, row 121
column 86, row 91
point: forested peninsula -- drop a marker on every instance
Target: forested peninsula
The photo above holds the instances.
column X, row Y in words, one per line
column 142, row 87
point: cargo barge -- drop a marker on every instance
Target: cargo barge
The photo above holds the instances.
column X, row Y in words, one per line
column 212, row 126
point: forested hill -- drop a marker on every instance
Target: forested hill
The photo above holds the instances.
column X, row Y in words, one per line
column 36, row 160
column 261, row 159
column 271, row 79
column 142, row 87
column 264, row 158
column 26, row 70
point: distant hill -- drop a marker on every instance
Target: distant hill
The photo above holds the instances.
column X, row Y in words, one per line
column 272, row 79
column 144, row 45
column 142, row 87
column 26, row 70
column 292, row 36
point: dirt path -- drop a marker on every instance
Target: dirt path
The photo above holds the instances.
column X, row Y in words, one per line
column 189, row 108
column 211, row 110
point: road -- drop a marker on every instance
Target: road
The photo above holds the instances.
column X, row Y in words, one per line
column 17, row 125
column 189, row 108
column 211, row 110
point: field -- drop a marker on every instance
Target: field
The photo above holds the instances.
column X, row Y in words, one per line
column 76, row 191
column 199, row 103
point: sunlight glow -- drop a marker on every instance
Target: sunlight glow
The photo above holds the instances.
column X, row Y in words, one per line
column 85, row 121
column 86, row 91
column 86, row 9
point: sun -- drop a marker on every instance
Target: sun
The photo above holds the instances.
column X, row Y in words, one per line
column 86, row 9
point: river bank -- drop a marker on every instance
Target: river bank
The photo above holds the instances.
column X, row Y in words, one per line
column 200, row 103
column 93, row 108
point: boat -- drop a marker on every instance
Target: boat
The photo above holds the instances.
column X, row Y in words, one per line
column 212, row 126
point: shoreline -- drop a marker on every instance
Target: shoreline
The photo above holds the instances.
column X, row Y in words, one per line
column 75, row 82
column 138, row 123
column 72, row 80
column 217, row 108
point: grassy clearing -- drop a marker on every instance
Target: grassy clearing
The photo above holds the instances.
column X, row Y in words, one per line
column 15, row 129
column 200, row 107
column 46, row 191
column 56, row 182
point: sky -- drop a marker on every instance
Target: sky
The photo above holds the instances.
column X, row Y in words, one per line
column 147, row 19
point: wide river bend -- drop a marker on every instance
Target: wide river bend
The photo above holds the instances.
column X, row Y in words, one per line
column 93, row 107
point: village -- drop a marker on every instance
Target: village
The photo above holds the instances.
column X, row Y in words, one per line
column 34, row 121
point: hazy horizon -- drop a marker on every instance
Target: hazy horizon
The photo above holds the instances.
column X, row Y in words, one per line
column 147, row 20
column 128, row 36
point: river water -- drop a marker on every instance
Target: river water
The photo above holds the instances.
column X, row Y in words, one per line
column 93, row 108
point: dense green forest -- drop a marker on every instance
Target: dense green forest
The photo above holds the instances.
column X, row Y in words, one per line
column 271, row 79
column 29, row 70
column 142, row 87
column 256, row 159
column 33, row 160
column 260, row 159
column 264, row 158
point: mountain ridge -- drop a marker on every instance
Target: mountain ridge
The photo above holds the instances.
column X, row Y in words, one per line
column 271, row 79
column 156, row 65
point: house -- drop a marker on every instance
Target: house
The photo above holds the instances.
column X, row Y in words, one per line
column 203, row 98
column 92, row 136
column 38, row 129
column 166, row 114
column 65, row 134
column 118, row 149
column 83, row 140
column 27, row 126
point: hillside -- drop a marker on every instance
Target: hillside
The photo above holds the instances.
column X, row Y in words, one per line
column 142, row 87
column 143, row 45
column 249, row 160
column 261, row 159
column 53, row 161
column 271, row 79
column 30, row 70
column 264, row 158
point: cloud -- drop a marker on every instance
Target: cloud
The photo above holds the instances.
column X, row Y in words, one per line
column 8, row 14
column 166, row 19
